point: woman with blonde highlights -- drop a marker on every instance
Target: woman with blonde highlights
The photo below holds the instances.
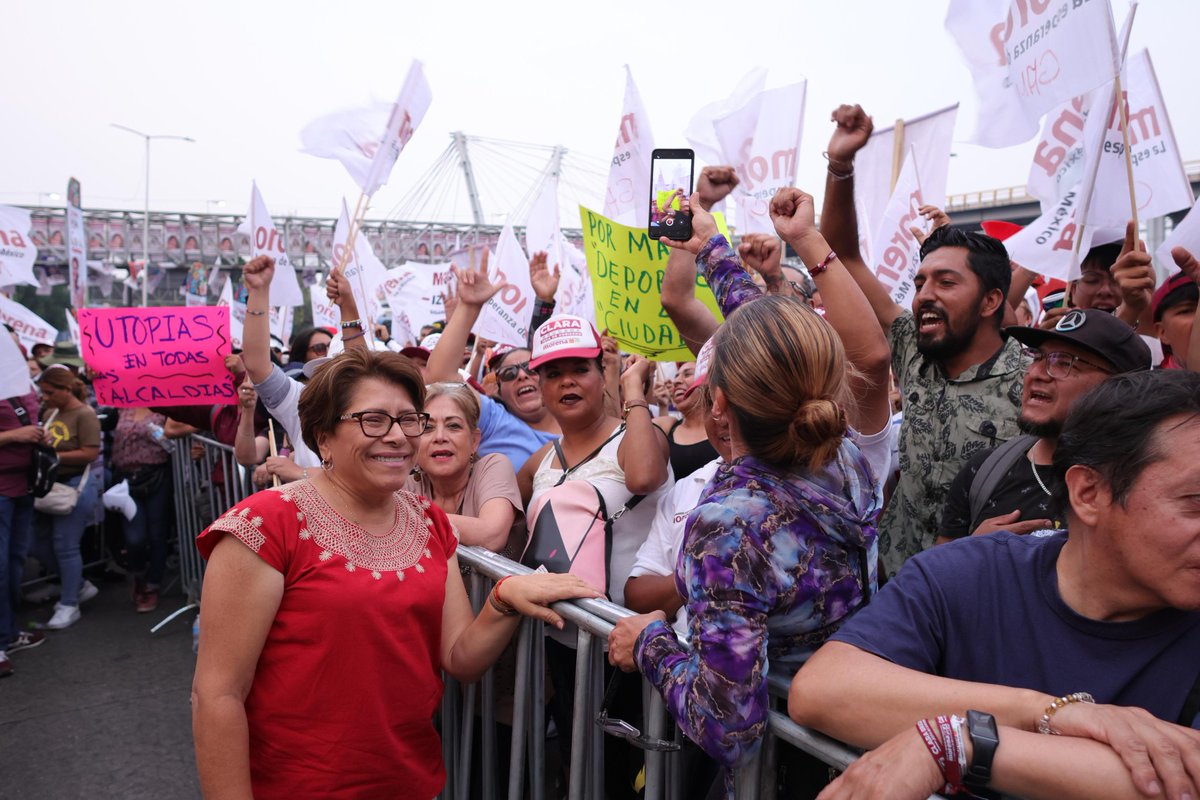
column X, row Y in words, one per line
column 782, row 546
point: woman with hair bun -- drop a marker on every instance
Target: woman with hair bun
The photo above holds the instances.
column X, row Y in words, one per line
column 782, row 545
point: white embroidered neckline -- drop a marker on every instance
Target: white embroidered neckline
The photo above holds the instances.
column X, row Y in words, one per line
column 399, row 549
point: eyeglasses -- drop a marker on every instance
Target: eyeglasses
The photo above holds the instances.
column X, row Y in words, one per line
column 376, row 424
column 622, row 729
column 320, row 348
column 513, row 371
column 1058, row 364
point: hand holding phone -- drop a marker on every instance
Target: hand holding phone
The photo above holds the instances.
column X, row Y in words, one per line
column 671, row 173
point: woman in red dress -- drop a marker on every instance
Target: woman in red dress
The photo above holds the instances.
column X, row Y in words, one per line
column 332, row 605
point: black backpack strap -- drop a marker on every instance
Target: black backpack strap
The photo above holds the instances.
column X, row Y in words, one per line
column 992, row 471
column 562, row 459
column 19, row 410
column 1191, row 706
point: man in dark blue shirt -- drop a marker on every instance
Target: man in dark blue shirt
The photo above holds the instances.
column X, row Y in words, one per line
column 1032, row 629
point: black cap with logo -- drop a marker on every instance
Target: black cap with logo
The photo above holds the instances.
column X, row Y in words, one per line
column 1094, row 330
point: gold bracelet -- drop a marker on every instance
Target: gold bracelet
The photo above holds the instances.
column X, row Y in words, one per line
column 1043, row 725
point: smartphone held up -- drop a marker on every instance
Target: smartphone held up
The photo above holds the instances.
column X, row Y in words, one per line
column 671, row 173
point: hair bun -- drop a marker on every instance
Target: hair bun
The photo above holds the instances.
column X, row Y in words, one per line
column 819, row 424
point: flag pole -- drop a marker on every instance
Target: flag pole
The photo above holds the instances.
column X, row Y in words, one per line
column 1133, row 206
column 360, row 210
column 271, row 444
column 897, row 153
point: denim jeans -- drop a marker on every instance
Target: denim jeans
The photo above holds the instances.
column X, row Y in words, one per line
column 150, row 529
column 16, row 518
column 57, row 542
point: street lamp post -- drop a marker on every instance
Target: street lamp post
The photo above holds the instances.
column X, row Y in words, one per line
column 146, row 211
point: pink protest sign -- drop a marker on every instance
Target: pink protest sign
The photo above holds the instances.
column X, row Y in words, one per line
column 166, row 356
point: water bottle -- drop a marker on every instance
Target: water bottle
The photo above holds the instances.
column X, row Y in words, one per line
column 159, row 435
column 196, row 634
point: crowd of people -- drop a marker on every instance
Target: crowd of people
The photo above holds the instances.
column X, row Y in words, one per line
column 955, row 527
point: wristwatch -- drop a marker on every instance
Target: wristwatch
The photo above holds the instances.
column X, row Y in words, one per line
column 981, row 727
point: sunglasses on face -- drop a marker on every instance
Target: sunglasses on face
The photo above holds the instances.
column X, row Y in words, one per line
column 513, row 371
column 320, row 349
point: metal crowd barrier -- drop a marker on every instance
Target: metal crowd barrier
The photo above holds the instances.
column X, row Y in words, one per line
column 205, row 487
column 594, row 619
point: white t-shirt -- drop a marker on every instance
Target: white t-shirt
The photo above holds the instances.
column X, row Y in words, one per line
column 660, row 551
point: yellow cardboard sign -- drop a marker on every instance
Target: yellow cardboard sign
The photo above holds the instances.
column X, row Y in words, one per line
column 627, row 267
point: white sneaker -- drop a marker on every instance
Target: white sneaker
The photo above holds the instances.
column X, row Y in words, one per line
column 87, row 591
column 64, row 617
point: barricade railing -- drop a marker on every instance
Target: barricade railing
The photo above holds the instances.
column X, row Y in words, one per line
column 594, row 620
column 205, row 487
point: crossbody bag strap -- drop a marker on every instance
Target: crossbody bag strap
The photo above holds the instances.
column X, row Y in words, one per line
column 1191, row 706
column 562, row 459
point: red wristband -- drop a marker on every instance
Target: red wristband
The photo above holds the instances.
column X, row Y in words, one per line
column 824, row 265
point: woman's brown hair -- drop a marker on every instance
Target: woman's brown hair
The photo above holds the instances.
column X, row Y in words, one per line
column 783, row 370
column 61, row 377
column 324, row 399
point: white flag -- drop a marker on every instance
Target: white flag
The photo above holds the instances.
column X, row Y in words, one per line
column 1058, row 158
column 1186, row 234
column 367, row 141
column 575, row 285
column 31, row 329
column 1028, row 56
column 701, row 134
column 364, row 262
column 761, row 140
column 542, row 233
column 266, row 241
column 898, row 253
column 324, row 313
column 17, row 252
column 14, row 371
column 414, row 291
column 1047, row 245
column 237, row 314
column 1160, row 181
column 505, row 318
column 928, row 138
column 629, row 176
column 77, row 273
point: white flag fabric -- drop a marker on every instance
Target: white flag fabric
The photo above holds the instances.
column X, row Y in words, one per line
column 77, row 273
column 629, row 175
column 17, row 252
column 1160, row 180
column 701, row 134
column 1186, row 235
column 414, row 291
column 1047, row 245
column 575, row 285
column 367, row 141
column 898, row 251
column 761, row 140
column 929, row 139
column 324, row 313
column 1027, row 57
column 14, row 370
column 266, row 241
column 31, row 329
column 505, row 318
column 1058, row 158
column 542, row 233
column 237, row 314
column 364, row 262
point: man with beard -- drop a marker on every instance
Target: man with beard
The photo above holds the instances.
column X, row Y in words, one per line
column 1010, row 487
column 959, row 379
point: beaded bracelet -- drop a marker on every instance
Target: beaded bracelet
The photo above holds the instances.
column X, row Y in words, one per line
column 1043, row 725
column 824, row 265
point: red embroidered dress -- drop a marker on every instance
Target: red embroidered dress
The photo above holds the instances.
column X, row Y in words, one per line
column 349, row 678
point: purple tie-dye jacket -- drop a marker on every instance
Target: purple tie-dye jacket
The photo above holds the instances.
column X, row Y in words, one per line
column 772, row 563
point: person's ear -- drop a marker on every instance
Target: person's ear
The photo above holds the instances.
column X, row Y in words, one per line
column 476, row 438
column 1090, row 495
column 720, row 405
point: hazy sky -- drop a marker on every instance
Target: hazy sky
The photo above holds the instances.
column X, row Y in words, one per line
column 243, row 78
